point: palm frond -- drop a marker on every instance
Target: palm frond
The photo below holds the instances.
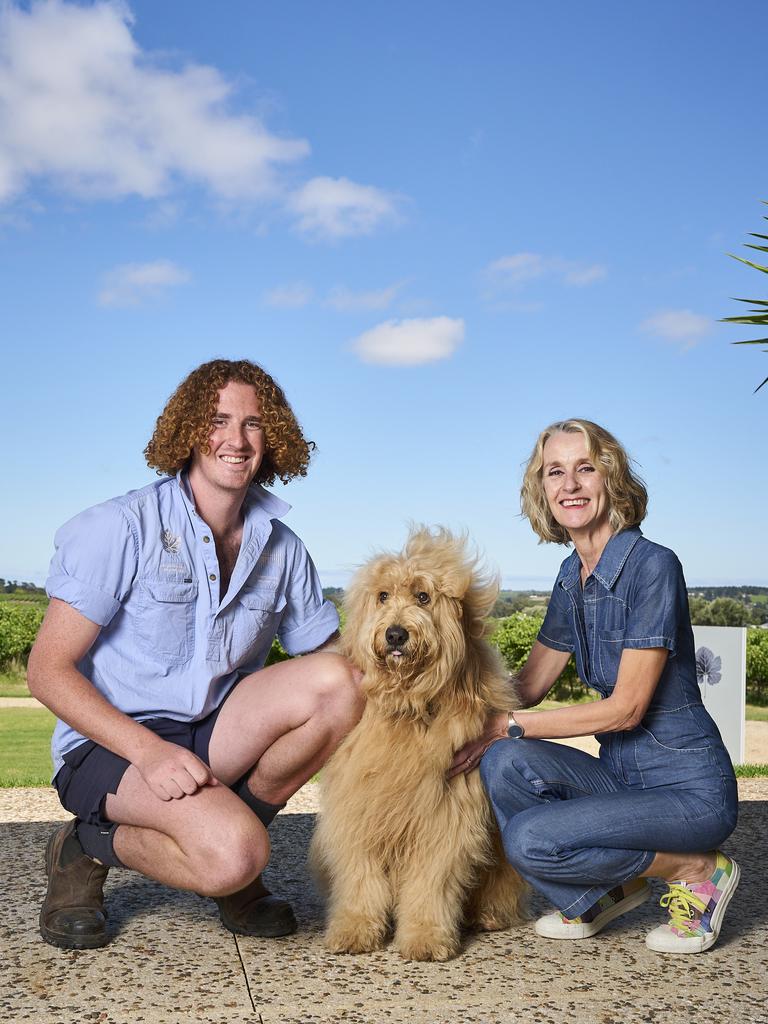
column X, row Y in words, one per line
column 749, row 263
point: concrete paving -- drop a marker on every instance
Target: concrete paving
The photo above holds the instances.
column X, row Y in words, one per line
column 170, row 961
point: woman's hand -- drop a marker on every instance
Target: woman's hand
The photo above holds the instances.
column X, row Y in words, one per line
column 468, row 758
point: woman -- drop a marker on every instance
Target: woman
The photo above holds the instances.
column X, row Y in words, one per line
column 587, row 832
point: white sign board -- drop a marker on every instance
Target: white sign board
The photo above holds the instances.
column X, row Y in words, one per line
column 721, row 670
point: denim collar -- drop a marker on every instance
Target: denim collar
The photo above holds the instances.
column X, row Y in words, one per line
column 615, row 553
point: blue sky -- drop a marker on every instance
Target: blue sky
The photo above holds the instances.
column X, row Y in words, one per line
column 439, row 225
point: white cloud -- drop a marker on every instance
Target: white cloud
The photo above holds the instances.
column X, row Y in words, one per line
column 679, row 326
column 344, row 300
column 579, row 275
column 331, row 208
column 410, row 342
column 133, row 283
column 81, row 105
column 510, row 273
column 289, row 296
column 88, row 112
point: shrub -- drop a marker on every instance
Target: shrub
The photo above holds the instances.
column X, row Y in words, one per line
column 757, row 666
column 515, row 637
column 18, row 628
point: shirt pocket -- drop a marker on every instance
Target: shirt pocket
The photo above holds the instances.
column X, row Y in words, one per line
column 165, row 621
column 610, row 645
column 258, row 616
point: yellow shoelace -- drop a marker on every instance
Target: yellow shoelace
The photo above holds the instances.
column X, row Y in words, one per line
column 681, row 904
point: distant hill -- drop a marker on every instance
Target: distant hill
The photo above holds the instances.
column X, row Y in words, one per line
column 753, row 599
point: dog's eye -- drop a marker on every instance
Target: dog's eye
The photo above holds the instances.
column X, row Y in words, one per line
column 422, row 597
column 383, row 596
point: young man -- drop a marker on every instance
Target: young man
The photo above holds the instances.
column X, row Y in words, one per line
column 175, row 747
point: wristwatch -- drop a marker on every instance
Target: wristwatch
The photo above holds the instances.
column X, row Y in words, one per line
column 515, row 731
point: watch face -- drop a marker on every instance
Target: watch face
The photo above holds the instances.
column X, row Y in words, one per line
column 515, row 731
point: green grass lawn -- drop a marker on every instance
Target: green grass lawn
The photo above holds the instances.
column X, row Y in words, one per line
column 13, row 681
column 25, row 738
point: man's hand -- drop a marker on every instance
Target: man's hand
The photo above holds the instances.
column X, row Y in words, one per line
column 468, row 757
column 172, row 772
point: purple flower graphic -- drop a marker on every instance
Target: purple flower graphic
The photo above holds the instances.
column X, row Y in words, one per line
column 708, row 667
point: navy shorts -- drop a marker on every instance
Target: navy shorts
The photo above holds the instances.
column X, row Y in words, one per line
column 90, row 772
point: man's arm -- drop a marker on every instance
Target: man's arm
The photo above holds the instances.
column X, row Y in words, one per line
column 64, row 638
column 331, row 644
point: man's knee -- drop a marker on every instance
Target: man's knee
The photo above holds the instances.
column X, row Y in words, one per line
column 338, row 691
column 231, row 859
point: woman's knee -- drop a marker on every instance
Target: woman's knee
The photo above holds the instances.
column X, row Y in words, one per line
column 500, row 767
column 527, row 848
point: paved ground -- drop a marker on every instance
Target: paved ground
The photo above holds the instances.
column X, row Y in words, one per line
column 170, row 961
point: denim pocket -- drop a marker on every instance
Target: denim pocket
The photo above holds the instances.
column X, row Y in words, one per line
column 662, row 764
column 165, row 620
column 609, row 648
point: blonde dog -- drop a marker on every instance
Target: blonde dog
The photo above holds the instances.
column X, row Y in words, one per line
column 397, row 841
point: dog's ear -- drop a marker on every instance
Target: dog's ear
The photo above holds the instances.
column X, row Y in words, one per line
column 480, row 598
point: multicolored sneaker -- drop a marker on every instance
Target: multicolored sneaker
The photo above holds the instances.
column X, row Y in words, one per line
column 695, row 911
column 616, row 902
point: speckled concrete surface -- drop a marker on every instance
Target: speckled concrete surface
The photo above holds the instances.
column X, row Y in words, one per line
column 170, row 961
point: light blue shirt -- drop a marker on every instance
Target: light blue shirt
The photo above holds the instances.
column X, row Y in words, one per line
column 143, row 567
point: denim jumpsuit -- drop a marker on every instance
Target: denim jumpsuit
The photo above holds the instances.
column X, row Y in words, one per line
column 575, row 826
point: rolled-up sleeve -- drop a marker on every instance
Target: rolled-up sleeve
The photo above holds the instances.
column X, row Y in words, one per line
column 557, row 629
column 95, row 562
column 309, row 620
column 657, row 600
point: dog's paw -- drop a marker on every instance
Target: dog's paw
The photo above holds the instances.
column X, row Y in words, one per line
column 357, row 938
column 427, row 948
column 488, row 921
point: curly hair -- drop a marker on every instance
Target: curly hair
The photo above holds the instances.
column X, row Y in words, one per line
column 185, row 422
column 627, row 496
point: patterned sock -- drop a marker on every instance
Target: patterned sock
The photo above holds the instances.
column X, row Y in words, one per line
column 616, row 895
column 691, row 904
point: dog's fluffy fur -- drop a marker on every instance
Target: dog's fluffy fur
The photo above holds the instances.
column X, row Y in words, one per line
column 398, row 842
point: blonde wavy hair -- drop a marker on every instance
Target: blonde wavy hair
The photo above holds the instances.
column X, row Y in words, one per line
column 627, row 496
column 185, row 422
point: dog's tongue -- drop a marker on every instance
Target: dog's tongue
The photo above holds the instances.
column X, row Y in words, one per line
column 397, row 654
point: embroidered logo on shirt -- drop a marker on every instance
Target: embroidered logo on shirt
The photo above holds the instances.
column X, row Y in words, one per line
column 171, row 543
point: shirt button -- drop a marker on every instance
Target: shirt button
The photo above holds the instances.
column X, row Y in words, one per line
column 212, row 576
column 206, row 540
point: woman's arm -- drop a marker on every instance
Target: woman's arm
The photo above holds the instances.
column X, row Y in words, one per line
column 539, row 674
column 639, row 674
column 534, row 681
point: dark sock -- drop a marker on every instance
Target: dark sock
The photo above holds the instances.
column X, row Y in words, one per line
column 97, row 842
column 264, row 812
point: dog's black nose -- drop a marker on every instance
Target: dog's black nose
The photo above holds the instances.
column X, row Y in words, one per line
column 396, row 636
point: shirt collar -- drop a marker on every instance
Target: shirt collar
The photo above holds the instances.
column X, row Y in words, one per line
column 615, row 553
column 259, row 502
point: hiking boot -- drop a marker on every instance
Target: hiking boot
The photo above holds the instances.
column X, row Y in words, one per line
column 616, row 902
column 255, row 911
column 696, row 910
column 72, row 915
